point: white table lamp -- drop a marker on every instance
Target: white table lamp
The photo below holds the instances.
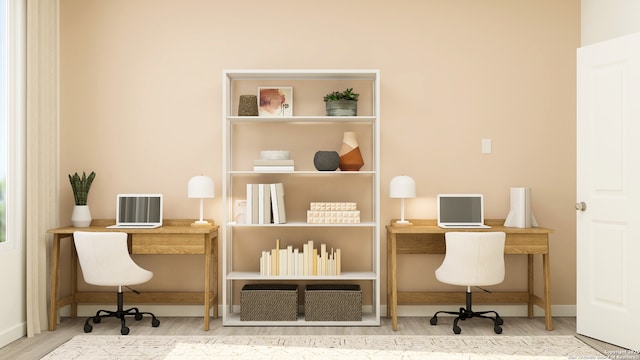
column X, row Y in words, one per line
column 200, row 187
column 402, row 187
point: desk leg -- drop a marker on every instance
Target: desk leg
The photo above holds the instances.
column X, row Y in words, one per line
column 55, row 266
column 394, row 285
column 530, row 285
column 207, row 279
column 214, row 245
column 547, row 292
column 388, row 276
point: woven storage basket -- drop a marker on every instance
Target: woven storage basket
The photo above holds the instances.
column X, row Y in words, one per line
column 335, row 302
column 269, row 302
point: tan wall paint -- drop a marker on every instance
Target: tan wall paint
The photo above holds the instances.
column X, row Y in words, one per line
column 141, row 103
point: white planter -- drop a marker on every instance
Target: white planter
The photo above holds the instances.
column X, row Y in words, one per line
column 81, row 216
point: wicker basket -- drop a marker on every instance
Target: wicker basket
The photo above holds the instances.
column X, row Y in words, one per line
column 335, row 302
column 269, row 302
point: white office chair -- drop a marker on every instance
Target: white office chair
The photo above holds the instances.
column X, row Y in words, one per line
column 472, row 259
column 105, row 261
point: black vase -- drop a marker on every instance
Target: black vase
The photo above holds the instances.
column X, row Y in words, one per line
column 326, row 160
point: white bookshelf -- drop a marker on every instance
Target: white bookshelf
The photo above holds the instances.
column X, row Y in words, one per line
column 307, row 131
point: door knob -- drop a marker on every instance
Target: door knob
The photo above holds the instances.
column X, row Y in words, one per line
column 581, row 206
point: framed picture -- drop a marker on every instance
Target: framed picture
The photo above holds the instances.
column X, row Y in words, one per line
column 275, row 101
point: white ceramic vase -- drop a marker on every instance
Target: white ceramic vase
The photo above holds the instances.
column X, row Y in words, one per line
column 81, row 216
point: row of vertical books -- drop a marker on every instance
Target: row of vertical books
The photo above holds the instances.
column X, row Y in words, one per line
column 265, row 204
column 310, row 261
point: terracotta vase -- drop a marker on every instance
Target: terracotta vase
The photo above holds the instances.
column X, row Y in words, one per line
column 350, row 156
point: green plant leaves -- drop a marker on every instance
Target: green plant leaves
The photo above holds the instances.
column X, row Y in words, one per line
column 81, row 186
column 348, row 94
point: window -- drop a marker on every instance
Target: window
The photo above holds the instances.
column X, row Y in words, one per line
column 12, row 122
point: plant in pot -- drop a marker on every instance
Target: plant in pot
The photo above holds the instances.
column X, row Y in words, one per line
column 342, row 103
column 81, row 216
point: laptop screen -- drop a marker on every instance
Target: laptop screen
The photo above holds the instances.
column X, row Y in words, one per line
column 463, row 209
column 139, row 209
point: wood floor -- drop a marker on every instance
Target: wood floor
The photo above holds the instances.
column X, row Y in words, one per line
column 40, row 345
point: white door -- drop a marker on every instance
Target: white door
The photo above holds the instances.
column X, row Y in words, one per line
column 608, row 191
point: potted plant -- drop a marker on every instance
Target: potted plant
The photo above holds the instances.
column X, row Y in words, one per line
column 342, row 103
column 81, row 216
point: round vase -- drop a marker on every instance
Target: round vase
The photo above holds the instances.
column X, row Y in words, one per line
column 326, row 160
column 350, row 156
column 81, row 216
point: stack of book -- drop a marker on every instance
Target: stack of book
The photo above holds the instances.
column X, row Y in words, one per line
column 265, row 204
column 333, row 213
column 290, row 261
column 273, row 165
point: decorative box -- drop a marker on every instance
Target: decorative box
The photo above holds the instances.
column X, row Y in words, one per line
column 333, row 302
column 269, row 302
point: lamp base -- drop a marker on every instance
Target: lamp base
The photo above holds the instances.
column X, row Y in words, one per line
column 200, row 223
column 402, row 223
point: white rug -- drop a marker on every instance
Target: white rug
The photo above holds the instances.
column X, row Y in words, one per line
column 352, row 347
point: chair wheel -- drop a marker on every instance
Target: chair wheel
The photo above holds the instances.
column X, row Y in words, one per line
column 87, row 328
column 433, row 321
column 457, row 330
column 124, row 330
column 497, row 329
column 138, row 316
column 499, row 320
column 96, row 319
column 155, row 322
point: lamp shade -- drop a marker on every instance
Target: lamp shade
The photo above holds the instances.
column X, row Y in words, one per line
column 403, row 187
column 200, row 187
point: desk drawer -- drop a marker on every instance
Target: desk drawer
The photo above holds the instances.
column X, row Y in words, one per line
column 167, row 243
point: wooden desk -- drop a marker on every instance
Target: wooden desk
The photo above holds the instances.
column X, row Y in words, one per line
column 175, row 237
column 425, row 237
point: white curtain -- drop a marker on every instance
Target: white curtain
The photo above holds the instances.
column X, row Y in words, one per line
column 42, row 152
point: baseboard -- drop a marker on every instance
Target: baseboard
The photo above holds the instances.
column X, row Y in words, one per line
column 403, row 310
column 13, row 333
column 503, row 310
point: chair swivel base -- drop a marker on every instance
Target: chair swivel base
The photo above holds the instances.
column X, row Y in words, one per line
column 464, row 314
column 120, row 314
column 468, row 313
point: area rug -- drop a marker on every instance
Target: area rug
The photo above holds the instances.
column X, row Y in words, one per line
column 352, row 347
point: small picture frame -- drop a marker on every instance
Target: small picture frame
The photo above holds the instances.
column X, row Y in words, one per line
column 275, row 101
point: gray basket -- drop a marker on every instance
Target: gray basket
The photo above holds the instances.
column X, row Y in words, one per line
column 335, row 302
column 269, row 302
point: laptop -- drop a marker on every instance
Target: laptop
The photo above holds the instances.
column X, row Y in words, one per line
column 138, row 211
column 461, row 211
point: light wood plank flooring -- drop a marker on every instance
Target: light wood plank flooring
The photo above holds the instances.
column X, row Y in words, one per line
column 40, row 345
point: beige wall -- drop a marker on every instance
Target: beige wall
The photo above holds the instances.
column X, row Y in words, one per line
column 141, row 102
column 604, row 20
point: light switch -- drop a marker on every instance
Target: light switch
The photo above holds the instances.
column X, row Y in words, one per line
column 486, row 146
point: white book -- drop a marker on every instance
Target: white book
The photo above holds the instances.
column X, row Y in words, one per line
column 323, row 259
column 273, row 168
column 274, row 204
column 249, row 210
column 283, row 266
column 277, row 197
column 300, row 264
column 290, row 262
column 296, row 262
column 305, row 260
